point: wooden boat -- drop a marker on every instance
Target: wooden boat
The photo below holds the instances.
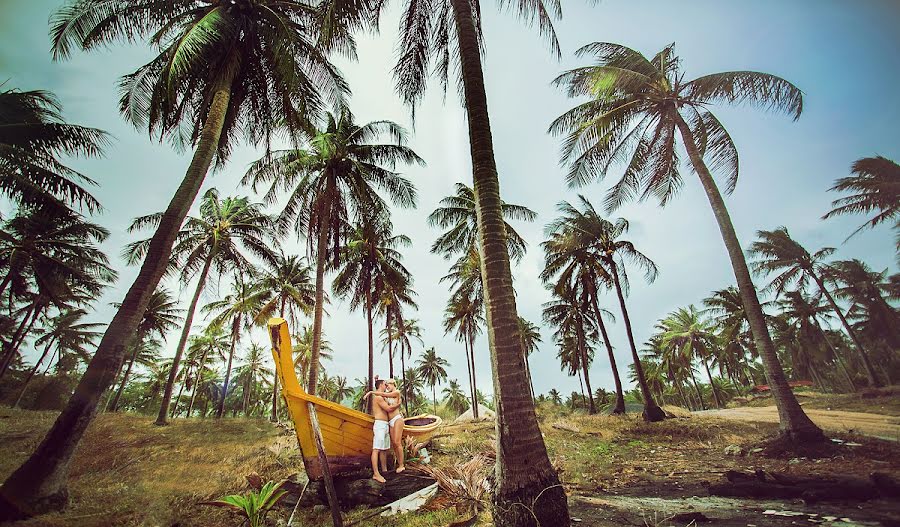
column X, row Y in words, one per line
column 346, row 433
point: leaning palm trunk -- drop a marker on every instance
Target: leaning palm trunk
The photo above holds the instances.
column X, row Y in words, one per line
column 652, row 412
column 712, row 385
column 870, row 371
column 235, row 328
column 584, row 370
column 197, row 379
column 795, row 424
column 619, row 407
column 471, row 384
column 114, row 405
column 32, row 372
column 471, row 360
column 527, row 491
column 182, row 342
column 321, row 247
column 39, row 484
column 184, row 380
column 369, row 322
column 24, row 328
column 697, row 388
column 837, row 356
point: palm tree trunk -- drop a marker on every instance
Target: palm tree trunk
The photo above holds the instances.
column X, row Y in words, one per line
column 197, row 378
column 321, row 247
column 403, row 372
column 697, row 388
column 476, row 413
column 528, row 373
column 652, row 412
column 32, row 372
column 369, row 322
column 387, row 322
column 795, row 424
column 524, row 473
column 619, row 407
column 867, row 365
column 39, row 484
column 584, row 370
column 581, row 387
column 469, row 371
column 182, row 342
column 235, row 329
column 18, row 337
column 712, row 385
column 114, row 405
column 434, row 398
column 274, row 417
column 7, row 279
column 837, row 356
column 184, row 380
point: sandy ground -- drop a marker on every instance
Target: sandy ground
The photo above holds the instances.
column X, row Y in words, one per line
column 874, row 425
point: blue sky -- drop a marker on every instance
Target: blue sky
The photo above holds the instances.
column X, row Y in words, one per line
column 842, row 57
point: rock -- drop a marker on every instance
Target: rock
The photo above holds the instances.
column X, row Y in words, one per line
column 734, row 450
column 484, row 414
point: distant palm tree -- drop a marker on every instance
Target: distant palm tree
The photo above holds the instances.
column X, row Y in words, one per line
column 394, row 297
column 223, row 236
column 688, row 330
column 604, row 238
column 636, row 107
column 403, row 332
column 433, row 370
column 248, row 373
column 33, row 139
column 454, row 398
column 531, row 336
column 869, row 292
column 302, row 341
column 219, row 70
column 411, row 388
column 213, row 341
column 457, row 213
column 555, row 397
column 777, row 252
column 464, row 314
column 237, row 309
column 370, row 261
column 876, row 181
column 567, row 312
column 336, row 174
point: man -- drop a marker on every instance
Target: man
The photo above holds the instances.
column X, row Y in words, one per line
column 381, row 441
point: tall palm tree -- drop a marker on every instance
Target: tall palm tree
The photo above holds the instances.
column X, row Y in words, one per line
column 868, row 291
column 394, row 297
column 33, row 138
column 457, row 213
column 635, row 107
column 303, row 356
column 369, row 262
column 778, row 253
column 445, row 38
column 223, row 69
column 213, row 340
column 224, row 235
column 688, row 330
column 603, row 237
column 464, row 314
column 433, row 370
column 238, row 310
column 248, row 374
column 404, row 331
column 335, row 175
column 567, row 312
column 876, row 183
column 531, row 336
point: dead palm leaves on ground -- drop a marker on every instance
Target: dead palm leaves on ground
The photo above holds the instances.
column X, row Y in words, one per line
column 465, row 485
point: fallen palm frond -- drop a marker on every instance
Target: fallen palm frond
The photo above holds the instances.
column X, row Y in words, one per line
column 464, row 485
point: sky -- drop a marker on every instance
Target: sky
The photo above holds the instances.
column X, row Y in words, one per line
column 841, row 54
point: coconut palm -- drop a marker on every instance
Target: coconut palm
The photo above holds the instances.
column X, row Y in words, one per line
column 405, row 330
column 868, row 291
column 604, row 239
column 454, row 398
column 394, row 297
column 213, row 341
column 464, row 314
column 876, row 183
column 695, row 336
column 223, row 69
column 302, row 341
column 250, row 372
column 224, row 235
column 636, row 106
column 457, row 214
column 531, row 336
column 237, row 309
column 337, row 174
column 445, row 37
column 567, row 312
column 33, row 138
column 778, row 253
column 369, row 261
column 555, row 397
column 433, row 371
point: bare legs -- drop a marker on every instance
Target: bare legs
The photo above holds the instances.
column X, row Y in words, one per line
column 376, row 475
column 397, row 443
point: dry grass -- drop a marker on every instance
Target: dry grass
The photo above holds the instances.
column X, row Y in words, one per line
column 884, row 401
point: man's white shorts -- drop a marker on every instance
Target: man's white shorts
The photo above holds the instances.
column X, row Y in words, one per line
column 382, row 439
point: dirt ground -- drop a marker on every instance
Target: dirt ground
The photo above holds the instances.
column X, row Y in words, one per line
column 874, row 425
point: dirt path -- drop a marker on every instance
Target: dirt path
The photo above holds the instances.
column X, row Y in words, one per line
column 874, row 425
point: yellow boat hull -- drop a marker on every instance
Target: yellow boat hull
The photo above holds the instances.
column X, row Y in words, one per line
column 346, row 433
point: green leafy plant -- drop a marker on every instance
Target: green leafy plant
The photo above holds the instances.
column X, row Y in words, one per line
column 254, row 505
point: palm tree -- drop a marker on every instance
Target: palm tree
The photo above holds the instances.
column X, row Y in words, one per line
column 464, row 314
column 288, row 282
column 778, row 253
column 555, row 397
column 876, row 181
column 221, row 239
column 336, row 174
column 33, row 138
column 249, row 372
column 454, row 398
column 433, row 371
column 868, row 291
column 411, row 388
column 635, row 109
column 566, row 311
column 394, row 298
column 162, row 315
column 457, row 214
column 688, row 330
column 303, row 356
column 403, row 332
column 223, row 69
column 369, row 262
column 238, row 309
column 603, row 237
column 431, row 39
column 64, row 330
column 213, row 340
column 531, row 336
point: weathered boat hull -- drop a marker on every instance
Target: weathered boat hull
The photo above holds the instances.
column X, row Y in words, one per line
column 346, row 433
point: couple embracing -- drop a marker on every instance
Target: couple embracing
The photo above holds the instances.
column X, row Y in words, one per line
column 388, row 426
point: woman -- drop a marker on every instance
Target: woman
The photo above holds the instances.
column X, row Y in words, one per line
column 395, row 421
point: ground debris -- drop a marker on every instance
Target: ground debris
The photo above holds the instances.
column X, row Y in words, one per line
column 774, row 485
